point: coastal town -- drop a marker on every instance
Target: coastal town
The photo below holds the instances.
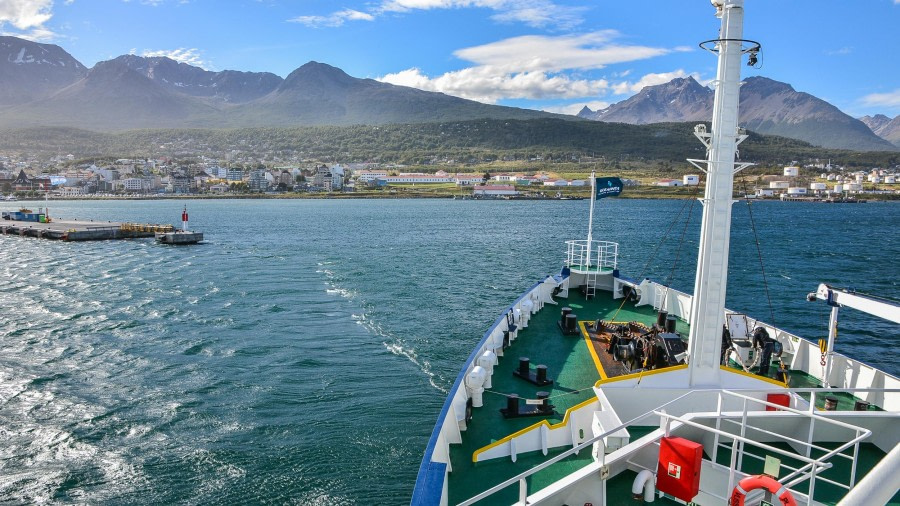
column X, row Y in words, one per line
column 64, row 177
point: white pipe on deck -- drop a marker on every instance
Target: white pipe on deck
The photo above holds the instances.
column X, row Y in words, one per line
column 880, row 485
column 643, row 483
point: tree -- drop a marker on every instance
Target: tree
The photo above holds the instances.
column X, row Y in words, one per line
column 486, row 177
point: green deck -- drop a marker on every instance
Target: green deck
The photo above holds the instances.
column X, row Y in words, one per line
column 572, row 368
column 569, row 364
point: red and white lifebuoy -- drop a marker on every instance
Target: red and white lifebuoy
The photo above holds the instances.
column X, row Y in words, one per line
column 761, row 481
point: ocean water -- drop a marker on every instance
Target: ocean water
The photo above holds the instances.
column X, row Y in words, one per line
column 302, row 353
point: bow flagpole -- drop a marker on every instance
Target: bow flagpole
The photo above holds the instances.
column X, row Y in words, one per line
column 591, row 215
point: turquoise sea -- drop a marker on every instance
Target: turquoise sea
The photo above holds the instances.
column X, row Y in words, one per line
column 302, row 353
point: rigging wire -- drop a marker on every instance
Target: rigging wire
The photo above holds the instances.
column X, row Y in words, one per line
column 687, row 222
column 762, row 266
column 653, row 255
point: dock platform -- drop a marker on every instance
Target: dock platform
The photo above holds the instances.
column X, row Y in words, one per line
column 69, row 230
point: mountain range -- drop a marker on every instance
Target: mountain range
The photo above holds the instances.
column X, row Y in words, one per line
column 767, row 107
column 42, row 85
column 884, row 127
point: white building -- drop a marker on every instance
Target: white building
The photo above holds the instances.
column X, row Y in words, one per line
column 669, row 182
column 337, row 177
column 796, row 191
column 416, row 179
column 365, row 176
column 72, row 191
column 556, row 182
column 691, row 180
column 504, row 177
column 135, row 184
column 578, row 182
column 818, row 187
column 468, row 179
column 779, row 185
column 791, row 171
column 765, row 192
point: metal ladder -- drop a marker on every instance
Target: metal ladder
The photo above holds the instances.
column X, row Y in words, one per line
column 590, row 277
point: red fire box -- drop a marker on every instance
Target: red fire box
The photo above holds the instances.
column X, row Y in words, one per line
column 782, row 399
column 678, row 472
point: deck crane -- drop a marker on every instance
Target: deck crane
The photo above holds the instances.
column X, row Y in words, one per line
column 837, row 298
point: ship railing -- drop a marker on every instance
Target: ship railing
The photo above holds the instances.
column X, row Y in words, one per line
column 453, row 412
column 809, row 471
column 800, row 354
column 592, row 256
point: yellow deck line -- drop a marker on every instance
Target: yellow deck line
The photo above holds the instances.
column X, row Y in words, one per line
column 754, row 376
column 636, row 375
column 530, row 428
column 587, row 341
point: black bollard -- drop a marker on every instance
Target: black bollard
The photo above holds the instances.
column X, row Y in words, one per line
column 524, row 366
column 541, row 374
column 512, row 405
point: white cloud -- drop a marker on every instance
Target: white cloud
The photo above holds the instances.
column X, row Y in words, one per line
column 25, row 14
column 536, row 13
column 35, row 35
column 28, row 17
column 488, row 84
column 592, row 50
column 630, row 88
column 840, row 52
column 573, row 109
column 530, row 67
column 334, row 19
column 889, row 99
column 183, row 55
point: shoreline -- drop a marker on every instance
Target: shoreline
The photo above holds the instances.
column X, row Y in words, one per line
column 401, row 196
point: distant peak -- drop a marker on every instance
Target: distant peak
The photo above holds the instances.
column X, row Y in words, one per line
column 318, row 74
column 585, row 111
column 320, row 68
column 765, row 82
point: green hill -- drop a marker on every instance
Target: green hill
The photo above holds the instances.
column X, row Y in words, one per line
column 476, row 141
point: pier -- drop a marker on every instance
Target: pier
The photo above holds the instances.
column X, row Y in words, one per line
column 69, row 230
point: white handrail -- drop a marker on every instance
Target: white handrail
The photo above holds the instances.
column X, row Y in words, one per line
column 815, row 465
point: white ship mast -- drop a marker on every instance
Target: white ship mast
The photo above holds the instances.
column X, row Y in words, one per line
column 707, row 312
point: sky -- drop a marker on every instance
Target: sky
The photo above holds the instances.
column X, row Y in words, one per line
column 554, row 55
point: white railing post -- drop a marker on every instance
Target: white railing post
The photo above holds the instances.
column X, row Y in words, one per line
column 740, row 462
column 715, row 451
column 812, row 482
column 732, row 470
